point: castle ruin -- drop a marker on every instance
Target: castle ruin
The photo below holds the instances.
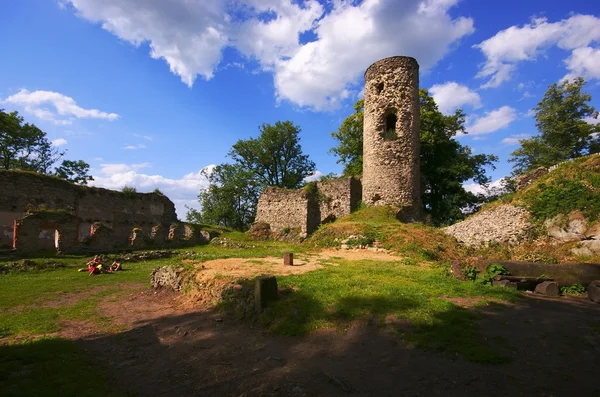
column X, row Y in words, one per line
column 391, row 135
column 40, row 213
column 391, row 148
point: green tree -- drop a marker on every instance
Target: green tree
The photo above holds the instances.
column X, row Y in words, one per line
column 230, row 199
column 275, row 158
column 24, row 146
column 445, row 163
column 350, row 141
column 74, row 171
column 564, row 133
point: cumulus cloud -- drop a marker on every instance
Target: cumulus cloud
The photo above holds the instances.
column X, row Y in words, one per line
column 59, row 142
column 492, row 121
column 526, row 43
column 61, row 106
column 514, row 139
column 191, row 34
column 182, row 191
column 584, row 62
column 476, row 188
column 451, row 96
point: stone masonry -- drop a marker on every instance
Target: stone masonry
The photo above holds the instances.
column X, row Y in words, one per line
column 391, row 135
column 39, row 213
column 305, row 209
column 391, row 148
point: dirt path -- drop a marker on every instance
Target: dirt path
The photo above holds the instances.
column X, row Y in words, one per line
column 165, row 350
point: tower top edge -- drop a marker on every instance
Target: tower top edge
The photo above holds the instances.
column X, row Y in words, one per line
column 394, row 59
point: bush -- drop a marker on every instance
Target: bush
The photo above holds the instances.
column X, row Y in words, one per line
column 129, row 191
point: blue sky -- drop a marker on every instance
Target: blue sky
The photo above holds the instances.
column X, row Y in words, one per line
column 149, row 92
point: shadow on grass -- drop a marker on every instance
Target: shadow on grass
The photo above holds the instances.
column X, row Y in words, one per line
column 208, row 353
column 47, row 367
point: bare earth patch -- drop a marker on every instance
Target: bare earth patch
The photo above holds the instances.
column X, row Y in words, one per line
column 303, row 263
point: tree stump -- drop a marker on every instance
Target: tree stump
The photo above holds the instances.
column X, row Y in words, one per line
column 593, row 291
column 548, row 288
column 288, row 259
column 265, row 292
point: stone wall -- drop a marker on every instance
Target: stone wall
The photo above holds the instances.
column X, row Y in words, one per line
column 40, row 213
column 288, row 209
column 307, row 208
column 338, row 198
column 391, row 141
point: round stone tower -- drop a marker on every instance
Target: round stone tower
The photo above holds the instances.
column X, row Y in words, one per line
column 391, row 136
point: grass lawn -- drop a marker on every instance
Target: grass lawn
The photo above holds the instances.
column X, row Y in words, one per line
column 34, row 361
column 351, row 290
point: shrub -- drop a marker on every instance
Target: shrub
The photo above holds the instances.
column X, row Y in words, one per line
column 129, row 191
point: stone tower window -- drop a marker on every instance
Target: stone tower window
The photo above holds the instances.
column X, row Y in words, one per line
column 379, row 87
column 389, row 132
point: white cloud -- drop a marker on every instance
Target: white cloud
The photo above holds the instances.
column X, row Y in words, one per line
column 181, row 191
column 591, row 120
column 517, row 44
column 59, row 142
column 514, row 139
column 584, row 62
column 476, row 188
column 315, row 176
column 133, row 147
column 191, row 34
column 451, row 96
column 36, row 103
column 492, row 121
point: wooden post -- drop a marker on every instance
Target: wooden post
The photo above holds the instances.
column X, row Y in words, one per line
column 265, row 292
column 288, row 259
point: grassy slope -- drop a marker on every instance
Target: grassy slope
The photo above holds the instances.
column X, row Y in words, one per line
column 413, row 240
column 574, row 185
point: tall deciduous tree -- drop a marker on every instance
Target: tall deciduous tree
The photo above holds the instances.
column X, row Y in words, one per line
column 350, row 141
column 275, row 158
column 230, row 199
column 24, row 146
column 445, row 163
column 74, row 171
column 564, row 132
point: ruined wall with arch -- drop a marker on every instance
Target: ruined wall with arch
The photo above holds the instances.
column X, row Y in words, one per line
column 40, row 213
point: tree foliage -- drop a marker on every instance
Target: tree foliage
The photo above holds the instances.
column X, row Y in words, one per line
column 564, row 132
column 350, row 141
column 445, row 163
column 24, row 146
column 230, row 199
column 74, row 171
column 275, row 158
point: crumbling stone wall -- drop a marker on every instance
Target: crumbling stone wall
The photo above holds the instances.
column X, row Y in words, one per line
column 288, row 209
column 307, row 208
column 47, row 232
column 338, row 198
column 391, row 141
column 25, row 190
column 39, row 213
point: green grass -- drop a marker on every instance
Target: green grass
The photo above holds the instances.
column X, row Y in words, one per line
column 49, row 366
column 337, row 295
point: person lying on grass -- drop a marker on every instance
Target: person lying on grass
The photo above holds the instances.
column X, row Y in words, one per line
column 96, row 266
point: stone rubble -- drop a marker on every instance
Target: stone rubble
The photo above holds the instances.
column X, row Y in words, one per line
column 503, row 224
